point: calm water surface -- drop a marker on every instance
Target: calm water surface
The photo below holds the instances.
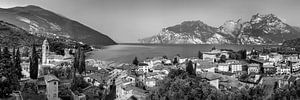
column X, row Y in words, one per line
column 126, row 53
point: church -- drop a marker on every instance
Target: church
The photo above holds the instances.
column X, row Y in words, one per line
column 52, row 60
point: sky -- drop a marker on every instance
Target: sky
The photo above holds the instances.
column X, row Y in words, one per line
column 126, row 21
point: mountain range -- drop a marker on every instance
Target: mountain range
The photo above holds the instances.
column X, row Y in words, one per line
column 44, row 23
column 260, row 29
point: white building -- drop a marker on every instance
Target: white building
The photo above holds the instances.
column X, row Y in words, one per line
column 143, row 67
column 263, row 56
column 296, row 66
column 150, row 64
column 283, row 70
column 223, row 67
column 275, row 57
column 209, row 55
column 182, row 60
column 150, row 82
column 293, row 58
column 214, row 82
column 203, row 66
column 253, row 68
column 25, row 69
column 51, row 87
column 236, row 67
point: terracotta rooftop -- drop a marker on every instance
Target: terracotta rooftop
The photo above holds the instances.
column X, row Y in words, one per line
column 143, row 64
column 49, row 78
column 100, row 77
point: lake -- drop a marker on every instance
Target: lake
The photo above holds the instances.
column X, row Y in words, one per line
column 125, row 53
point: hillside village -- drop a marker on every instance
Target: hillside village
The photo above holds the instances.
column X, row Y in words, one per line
column 100, row 52
column 62, row 77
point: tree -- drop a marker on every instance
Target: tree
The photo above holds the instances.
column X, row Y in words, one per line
column 165, row 57
column 75, row 67
column 69, row 72
column 213, row 48
column 25, row 52
column 222, row 59
column 135, row 61
column 14, row 53
column 112, row 92
column 77, row 58
column 9, row 84
column 34, row 63
column 57, row 47
column 6, row 58
column 200, row 55
column 243, row 54
column 79, row 84
column 140, row 84
column 17, row 64
column 8, row 77
column 175, row 61
column 189, row 68
column 82, row 63
column 0, row 53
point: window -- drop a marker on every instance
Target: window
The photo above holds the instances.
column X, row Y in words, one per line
column 54, row 83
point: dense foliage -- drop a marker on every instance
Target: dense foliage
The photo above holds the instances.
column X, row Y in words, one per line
column 79, row 84
column 291, row 92
column 8, row 74
column 180, row 85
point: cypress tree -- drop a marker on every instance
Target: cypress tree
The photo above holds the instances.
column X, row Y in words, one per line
column 14, row 53
column 243, row 54
column 213, row 48
column 222, row 59
column 175, row 61
column 34, row 64
column 17, row 64
column 77, row 58
column 135, row 61
column 200, row 55
column 75, row 64
column 82, row 63
column 0, row 53
column 13, row 57
column 6, row 58
column 189, row 68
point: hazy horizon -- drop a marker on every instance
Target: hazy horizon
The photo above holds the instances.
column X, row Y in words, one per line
column 126, row 21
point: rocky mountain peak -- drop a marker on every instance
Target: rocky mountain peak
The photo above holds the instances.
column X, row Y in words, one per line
column 265, row 19
column 260, row 29
column 231, row 27
column 191, row 27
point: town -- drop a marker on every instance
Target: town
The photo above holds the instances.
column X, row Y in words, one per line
column 73, row 77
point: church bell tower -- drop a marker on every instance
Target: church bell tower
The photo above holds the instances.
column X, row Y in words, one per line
column 45, row 52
